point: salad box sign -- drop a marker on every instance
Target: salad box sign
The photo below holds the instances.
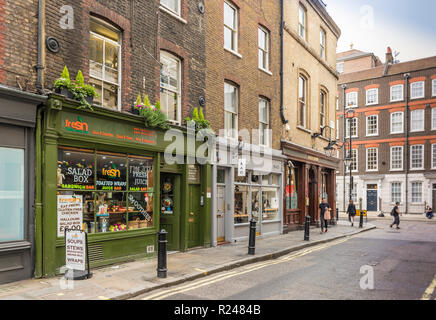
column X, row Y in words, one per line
column 75, row 250
column 70, row 213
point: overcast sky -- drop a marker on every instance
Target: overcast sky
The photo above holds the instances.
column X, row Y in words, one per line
column 407, row 26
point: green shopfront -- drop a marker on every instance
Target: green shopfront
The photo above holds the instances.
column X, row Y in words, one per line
column 102, row 171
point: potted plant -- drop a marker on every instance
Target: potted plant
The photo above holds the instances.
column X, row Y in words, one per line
column 90, row 93
column 138, row 105
column 82, row 92
column 199, row 120
column 63, row 85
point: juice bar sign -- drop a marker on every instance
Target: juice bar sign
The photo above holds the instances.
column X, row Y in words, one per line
column 108, row 130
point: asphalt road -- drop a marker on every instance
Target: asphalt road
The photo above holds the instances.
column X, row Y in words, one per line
column 403, row 264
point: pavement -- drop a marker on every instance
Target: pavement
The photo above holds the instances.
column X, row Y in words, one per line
column 128, row 280
column 387, row 216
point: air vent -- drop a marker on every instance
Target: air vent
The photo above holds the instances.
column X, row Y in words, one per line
column 95, row 252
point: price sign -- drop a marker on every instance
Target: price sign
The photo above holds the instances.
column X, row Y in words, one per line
column 70, row 213
column 75, row 250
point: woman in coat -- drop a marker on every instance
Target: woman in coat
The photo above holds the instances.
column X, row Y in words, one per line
column 351, row 212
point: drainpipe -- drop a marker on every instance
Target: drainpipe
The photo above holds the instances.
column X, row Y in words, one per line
column 282, row 27
column 344, row 87
column 39, row 66
column 406, row 162
column 38, row 196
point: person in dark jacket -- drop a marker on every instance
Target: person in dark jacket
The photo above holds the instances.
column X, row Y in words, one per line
column 396, row 214
column 429, row 212
column 351, row 212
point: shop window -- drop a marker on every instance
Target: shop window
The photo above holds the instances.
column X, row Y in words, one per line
column 275, row 179
column 266, row 180
column 241, row 179
column 106, row 204
column 221, row 176
column 270, row 205
column 11, row 194
column 255, row 179
column 241, row 204
column 291, row 189
column 255, row 203
column 167, row 198
column 104, row 58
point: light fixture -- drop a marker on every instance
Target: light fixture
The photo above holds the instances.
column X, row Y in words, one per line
column 68, row 154
column 348, row 161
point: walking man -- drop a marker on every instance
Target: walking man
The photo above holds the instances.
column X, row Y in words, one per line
column 351, row 212
column 324, row 213
column 396, row 214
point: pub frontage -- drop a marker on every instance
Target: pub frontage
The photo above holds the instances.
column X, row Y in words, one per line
column 309, row 176
column 103, row 172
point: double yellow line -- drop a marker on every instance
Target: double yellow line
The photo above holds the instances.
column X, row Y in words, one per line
column 213, row 279
column 429, row 292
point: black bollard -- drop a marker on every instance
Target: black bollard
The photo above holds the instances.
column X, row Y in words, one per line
column 361, row 219
column 162, row 255
column 252, row 239
column 307, row 229
column 337, row 214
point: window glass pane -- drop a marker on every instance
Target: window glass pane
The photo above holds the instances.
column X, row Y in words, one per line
column 221, row 176
column 255, row 203
column 262, row 39
column 111, row 211
column 230, row 98
column 111, row 173
column 241, row 204
column 96, row 57
column 11, row 194
column 141, row 174
column 110, row 96
column 140, row 210
column 397, row 93
column 241, row 179
column 167, row 197
column 433, row 155
column 75, row 170
column 104, row 31
column 417, row 157
column 417, row 120
column 396, row 192
column 417, row 89
column 291, row 189
column 169, row 104
column 417, row 192
column 270, row 206
column 228, row 38
column 97, row 84
column 229, row 16
column 88, row 211
column 397, row 122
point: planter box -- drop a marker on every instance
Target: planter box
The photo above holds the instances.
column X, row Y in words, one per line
column 65, row 92
column 90, row 100
column 135, row 111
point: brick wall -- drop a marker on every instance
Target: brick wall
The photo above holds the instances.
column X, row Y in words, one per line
column 18, row 43
column 244, row 72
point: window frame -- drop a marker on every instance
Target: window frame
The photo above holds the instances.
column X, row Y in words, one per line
column 433, row 119
column 323, row 109
column 302, row 9
column 303, row 102
column 118, row 44
column 422, row 157
column 411, row 90
column 169, row 55
column 367, row 126
column 235, row 31
column 354, row 161
column 401, row 191
column 347, row 106
column 235, row 113
column 402, row 122
column 347, row 134
column 267, row 124
column 367, row 95
column 265, row 51
column 414, row 112
column 402, row 92
column 402, row 158
column 179, row 5
column 367, row 162
column 412, row 191
column 323, row 46
column 433, row 158
column 433, row 87
column 340, row 69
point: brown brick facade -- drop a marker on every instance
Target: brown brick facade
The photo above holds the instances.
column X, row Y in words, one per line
column 223, row 65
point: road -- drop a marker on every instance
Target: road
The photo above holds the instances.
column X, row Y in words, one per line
column 403, row 265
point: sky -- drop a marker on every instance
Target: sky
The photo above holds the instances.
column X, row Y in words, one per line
column 407, row 26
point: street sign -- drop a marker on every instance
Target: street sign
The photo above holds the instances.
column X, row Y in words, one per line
column 242, row 167
column 365, row 213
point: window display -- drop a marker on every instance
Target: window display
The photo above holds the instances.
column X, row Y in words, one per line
column 167, row 205
column 241, row 204
column 270, row 208
column 291, row 188
column 255, row 203
column 120, row 199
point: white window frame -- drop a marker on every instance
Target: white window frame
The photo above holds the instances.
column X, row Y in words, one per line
column 167, row 55
column 235, row 31
column 422, row 157
column 233, row 132
column 340, row 67
column 412, row 191
column 264, row 51
column 267, row 123
column 114, row 43
column 355, row 155
column 367, row 126
column 433, row 88
column 302, row 24
column 401, row 191
column 347, row 134
column 402, row 92
column 347, row 106
column 323, row 113
column 412, row 85
column 323, row 44
column 433, row 119
column 402, row 158
column 367, row 96
column 367, row 162
column 433, row 158
column 402, row 122
column 415, row 112
column 164, row 3
column 305, row 101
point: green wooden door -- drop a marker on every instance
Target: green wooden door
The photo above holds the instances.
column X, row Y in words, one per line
column 170, row 209
column 194, row 217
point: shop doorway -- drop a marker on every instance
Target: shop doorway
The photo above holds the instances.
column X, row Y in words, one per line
column 170, row 209
column 221, row 214
column 194, row 222
column 313, row 186
column 371, row 198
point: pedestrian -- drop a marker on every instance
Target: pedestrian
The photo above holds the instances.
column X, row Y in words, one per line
column 396, row 214
column 324, row 213
column 429, row 212
column 351, row 212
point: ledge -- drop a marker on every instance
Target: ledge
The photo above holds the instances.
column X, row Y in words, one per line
column 162, row 8
column 266, row 71
column 304, row 129
column 234, row 53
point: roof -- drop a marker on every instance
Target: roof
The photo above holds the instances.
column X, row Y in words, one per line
column 394, row 69
column 320, row 7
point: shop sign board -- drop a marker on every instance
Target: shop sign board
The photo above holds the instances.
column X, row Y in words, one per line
column 193, row 174
column 94, row 127
column 70, row 213
column 242, row 167
column 75, row 250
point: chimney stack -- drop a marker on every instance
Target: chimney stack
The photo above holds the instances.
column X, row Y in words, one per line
column 389, row 56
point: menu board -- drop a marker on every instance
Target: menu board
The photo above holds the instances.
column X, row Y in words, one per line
column 141, row 175
column 193, row 174
column 75, row 170
column 70, row 213
column 75, row 250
